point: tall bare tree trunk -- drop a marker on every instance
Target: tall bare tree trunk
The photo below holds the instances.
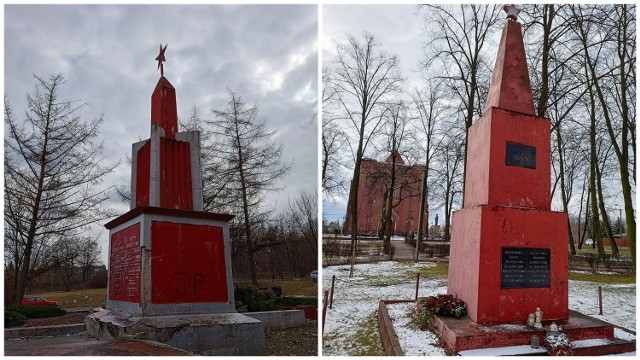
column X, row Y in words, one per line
column 572, row 246
column 603, row 211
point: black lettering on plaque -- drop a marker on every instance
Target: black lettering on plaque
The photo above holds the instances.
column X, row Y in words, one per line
column 521, row 155
column 525, row 268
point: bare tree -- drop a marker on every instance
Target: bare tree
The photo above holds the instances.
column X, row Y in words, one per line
column 458, row 36
column 334, row 141
column 88, row 255
column 251, row 157
column 448, row 173
column 303, row 213
column 430, row 113
column 53, row 170
column 556, row 87
column 364, row 76
column 610, row 63
column 395, row 130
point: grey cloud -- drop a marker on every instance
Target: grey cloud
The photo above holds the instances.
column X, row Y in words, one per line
column 107, row 54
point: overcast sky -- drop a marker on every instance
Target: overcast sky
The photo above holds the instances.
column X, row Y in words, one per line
column 267, row 54
column 398, row 28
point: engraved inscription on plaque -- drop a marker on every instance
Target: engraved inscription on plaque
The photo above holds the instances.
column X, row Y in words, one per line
column 521, row 155
column 525, row 268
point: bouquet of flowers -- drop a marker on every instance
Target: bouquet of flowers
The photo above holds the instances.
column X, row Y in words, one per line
column 558, row 344
column 446, row 305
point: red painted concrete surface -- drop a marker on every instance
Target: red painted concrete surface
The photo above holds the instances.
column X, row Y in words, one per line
column 143, row 173
column 164, row 110
column 464, row 334
column 175, row 175
column 310, row 311
column 510, row 86
column 507, row 206
column 124, row 265
column 475, row 262
column 188, row 264
column 488, row 180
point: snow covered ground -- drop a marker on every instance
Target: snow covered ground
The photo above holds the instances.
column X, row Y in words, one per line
column 351, row 326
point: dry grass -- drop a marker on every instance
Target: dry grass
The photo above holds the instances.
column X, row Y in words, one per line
column 98, row 297
column 77, row 298
column 301, row 287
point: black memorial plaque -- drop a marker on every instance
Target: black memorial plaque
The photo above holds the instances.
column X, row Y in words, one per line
column 521, row 155
column 525, row 268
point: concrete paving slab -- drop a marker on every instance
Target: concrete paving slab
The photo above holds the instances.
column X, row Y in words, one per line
column 83, row 345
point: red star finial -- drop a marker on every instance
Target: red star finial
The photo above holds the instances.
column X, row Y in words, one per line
column 161, row 58
column 512, row 12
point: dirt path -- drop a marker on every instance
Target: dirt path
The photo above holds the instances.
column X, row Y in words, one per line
column 403, row 251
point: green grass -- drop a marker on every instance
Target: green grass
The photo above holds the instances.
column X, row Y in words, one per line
column 428, row 271
column 588, row 250
column 367, row 340
column 603, row 278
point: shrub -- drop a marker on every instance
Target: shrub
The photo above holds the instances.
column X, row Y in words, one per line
column 34, row 312
column 250, row 298
column 291, row 302
column 13, row 318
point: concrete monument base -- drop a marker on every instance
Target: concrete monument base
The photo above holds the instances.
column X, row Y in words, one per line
column 205, row 334
column 590, row 336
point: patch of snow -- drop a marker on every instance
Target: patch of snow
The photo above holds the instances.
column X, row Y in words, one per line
column 599, row 272
column 355, row 300
column 590, row 342
column 413, row 341
column 504, row 351
column 623, row 335
column 619, row 301
column 355, row 304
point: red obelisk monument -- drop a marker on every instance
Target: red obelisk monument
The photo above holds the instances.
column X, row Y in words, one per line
column 170, row 262
column 508, row 249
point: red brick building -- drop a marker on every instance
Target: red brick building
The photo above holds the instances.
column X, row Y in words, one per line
column 375, row 181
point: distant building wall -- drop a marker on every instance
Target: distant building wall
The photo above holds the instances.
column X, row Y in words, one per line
column 375, row 179
column 621, row 241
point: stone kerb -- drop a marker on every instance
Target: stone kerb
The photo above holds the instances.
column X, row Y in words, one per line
column 387, row 333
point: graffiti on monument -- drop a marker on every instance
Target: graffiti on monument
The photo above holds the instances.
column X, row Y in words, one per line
column 124, row 265
column 196, row 271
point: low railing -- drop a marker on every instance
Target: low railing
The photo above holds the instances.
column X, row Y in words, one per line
column 431, row 250
column 595, row 263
